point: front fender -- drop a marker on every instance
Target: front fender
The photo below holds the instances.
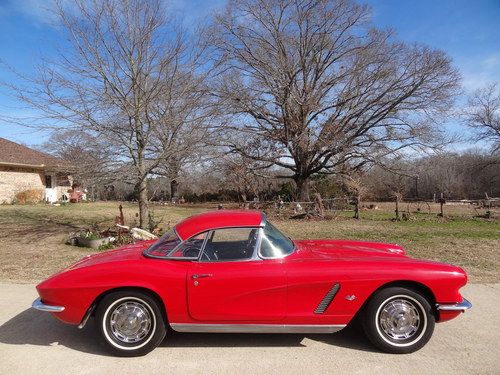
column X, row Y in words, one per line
column 77, row 289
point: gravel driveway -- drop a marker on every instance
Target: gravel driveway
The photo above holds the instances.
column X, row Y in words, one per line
column 32, row 342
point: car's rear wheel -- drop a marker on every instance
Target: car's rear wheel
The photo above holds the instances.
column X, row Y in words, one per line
column 398, row 320
column 130, row 323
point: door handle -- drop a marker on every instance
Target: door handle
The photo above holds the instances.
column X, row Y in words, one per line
column 201, row 276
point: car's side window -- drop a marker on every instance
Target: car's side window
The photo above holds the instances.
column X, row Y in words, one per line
column 230, row 244
column 190, row 248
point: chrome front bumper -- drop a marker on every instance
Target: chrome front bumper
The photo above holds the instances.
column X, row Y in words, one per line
column 462, row 306
column 39, row 305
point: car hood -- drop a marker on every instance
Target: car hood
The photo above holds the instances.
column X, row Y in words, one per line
column 128, row 252
column 342, row 249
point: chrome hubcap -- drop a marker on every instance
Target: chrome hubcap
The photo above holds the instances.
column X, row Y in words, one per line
column 399, row 319
column 130, row 322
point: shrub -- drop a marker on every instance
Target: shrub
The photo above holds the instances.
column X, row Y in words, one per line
column 29, row 196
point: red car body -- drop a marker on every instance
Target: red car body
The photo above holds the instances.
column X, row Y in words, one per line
column 282, row 292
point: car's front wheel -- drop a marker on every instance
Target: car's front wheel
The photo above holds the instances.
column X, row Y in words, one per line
column 130, row 323
column 398, row 320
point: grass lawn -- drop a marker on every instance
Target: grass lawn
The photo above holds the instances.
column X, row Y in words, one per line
column 32, row 238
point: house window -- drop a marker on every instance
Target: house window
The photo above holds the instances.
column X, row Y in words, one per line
column 48, row 181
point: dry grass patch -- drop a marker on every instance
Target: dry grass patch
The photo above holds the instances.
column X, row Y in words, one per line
column 32, row 238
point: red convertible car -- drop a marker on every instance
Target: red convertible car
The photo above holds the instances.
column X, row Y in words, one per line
column 233, row 271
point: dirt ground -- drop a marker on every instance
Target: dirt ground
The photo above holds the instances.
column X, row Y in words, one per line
column 33, row 342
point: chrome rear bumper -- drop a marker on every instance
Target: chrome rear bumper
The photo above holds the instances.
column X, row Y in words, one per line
column 39, row 305
column 462, row 306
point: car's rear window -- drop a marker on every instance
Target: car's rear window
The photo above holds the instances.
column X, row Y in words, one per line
column 164, row 245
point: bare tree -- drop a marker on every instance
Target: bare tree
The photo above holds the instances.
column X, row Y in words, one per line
column 188, row 110
column 121, row 77
column 90, row 159
column 237, row 174
column 466, row 175
column 354, row 184
column 310, row 86
column 483, row 115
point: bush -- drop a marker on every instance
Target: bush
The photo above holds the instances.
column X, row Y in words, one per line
column 29, row 196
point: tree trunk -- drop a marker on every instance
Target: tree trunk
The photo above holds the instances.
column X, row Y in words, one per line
column 143, row 204
column 318, row 202
column 357, row 202
column 174, row 191
column 302, row 191
column 398, row 214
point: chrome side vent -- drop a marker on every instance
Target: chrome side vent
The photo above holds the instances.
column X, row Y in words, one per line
column 327, row 299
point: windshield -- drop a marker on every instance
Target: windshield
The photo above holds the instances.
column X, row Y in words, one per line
column 274, row 243
column 164, row 245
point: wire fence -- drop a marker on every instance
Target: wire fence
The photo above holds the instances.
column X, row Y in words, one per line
column 402, row 208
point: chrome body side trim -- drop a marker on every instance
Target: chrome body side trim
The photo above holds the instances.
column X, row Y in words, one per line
column 86, row 317
column 462, row 306
column 327, row 299
column 39, row 305
column 256, row 328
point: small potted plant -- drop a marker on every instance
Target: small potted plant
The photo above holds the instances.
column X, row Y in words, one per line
column 92, row 239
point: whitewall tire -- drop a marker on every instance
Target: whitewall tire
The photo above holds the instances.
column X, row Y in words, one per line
column 398, row 320
column 130, row 323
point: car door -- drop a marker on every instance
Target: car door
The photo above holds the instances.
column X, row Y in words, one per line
column 231, row 283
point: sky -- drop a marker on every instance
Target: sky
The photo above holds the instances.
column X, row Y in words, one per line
column 468, row 31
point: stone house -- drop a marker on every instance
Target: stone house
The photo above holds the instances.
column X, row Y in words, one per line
column 23, row 169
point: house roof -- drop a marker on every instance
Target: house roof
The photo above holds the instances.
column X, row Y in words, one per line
column 12, row 153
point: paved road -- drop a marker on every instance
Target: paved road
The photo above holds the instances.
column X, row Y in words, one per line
column 32, row 342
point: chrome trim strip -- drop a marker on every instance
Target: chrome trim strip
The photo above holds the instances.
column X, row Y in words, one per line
column 39, row 305
column 256, row 328
column 462, row 306
column 263, row 219
column 327, row 299
column 256, row 252
column 86, row 317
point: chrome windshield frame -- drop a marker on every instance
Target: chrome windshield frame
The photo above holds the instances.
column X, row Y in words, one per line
column 255, row 256
column 146, row 251
column 294, row 248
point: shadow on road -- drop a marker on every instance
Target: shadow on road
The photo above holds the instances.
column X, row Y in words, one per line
column 32, row 327
column 347, row 338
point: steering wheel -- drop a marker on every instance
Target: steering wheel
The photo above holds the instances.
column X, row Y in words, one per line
column 191, row 252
